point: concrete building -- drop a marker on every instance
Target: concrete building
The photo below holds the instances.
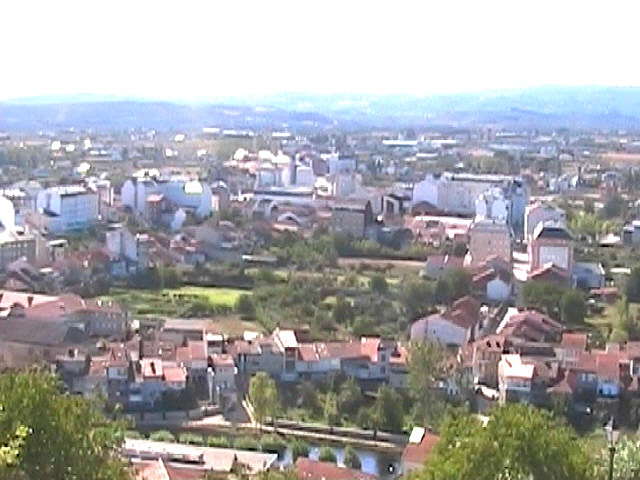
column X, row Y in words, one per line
column 67, row 208
column 542, row 212
column 492, row 205
column 132, row 249
column 551, row 243
column 180, row 192
column 14, row 244
column 353, row 218
column 488, row 238
column 456, row 193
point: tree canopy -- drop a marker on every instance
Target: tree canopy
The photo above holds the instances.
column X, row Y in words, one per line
column 68, row 437
column 426, row 367
column 518, row 442
column 573, row 308
column 263, row 396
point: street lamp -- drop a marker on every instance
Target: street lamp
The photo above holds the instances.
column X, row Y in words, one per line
column 613, row 434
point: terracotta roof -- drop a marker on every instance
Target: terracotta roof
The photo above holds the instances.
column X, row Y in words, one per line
column 552, row 270
column 417, row 454
column 632, row 349
column 194, row 350
column 370, row 348
column 175, row 374
column 576, row 341
column 222, row 360
column 307, row 469
column 460, row 318
column 151, row 367
column 587, row 362
column 118, row 356
column 243, row 346
column 608, row 365
column 151, row 471
column 467, row 304
column 565, row 385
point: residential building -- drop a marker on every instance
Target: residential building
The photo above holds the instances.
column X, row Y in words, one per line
column 456, row 326
column 515, row 379
column 67, row 208
column 488, row 238
column 551, row 244
column 352, row 218
column 589, row 275
column 418, row 450
column 537, row 213
column 16, row 243
column 132, row 249
column 316, row 470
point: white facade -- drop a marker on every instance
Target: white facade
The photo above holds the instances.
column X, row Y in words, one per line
column 492, row 205
column 181, row 191
column 498, row 290
column 7, row 213
column 445, row 331
column 536, row 213
column 67, row 209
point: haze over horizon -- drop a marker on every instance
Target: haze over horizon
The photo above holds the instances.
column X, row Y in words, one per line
column 200, row 51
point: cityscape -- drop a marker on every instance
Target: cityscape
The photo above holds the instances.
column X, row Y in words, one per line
column 216, row 269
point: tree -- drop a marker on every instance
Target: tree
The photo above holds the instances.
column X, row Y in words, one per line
column 626, row 463
column 632, row 287
column 443, row 292
column 70, row 437
column 327, row 455
column 245, row 307
column 308, row 397
column 614, row 207
column 459, row 281
column 542, row 296
column 518, row 442
column 263, row 396
column 589, row 206
column 349, row 397
column 427, row 366
column 299, row 448
column 351, row 458
column 378, row 284
column 331, row 409
column 387, row 410
column 573, row 308
column 343, row 311
column 417, row 298
column 162, row 436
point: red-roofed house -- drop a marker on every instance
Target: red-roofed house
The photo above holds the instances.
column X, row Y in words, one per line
column 307, row 469
column 573, row 345
column 456, row 326
column 515, row 379
column 416, row 453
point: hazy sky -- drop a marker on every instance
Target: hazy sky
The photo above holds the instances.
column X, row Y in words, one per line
column 187, row 49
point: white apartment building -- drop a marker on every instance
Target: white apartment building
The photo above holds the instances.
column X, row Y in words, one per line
column 181, row 191
column 537, row 213
column 130, row 247
column 67, row 208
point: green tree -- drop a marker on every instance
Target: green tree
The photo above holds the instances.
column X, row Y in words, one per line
column 427, row 366
column 518, row 442
column 378, row 284
column 542, row 296
column 459, row 281
column 330, row 410
column 573, row 308
column 417, row 298
column 614, row 207
column 343, row 311
column 70, row 437
column 589, row 206
column 443, row 291
column 626, row 463
column 387, row 412
column 263, row 396
column 299, row 448
column 327, row 454
column 351, row 458
column 349, row 397
column 632, row 286
column 308, row 397
column 162, row 436
column 245, row 307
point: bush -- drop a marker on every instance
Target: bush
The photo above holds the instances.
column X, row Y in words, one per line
column 162, row 436
column 245, row 307
column 246, row 443
column 327, row 455
column 351, row 458
column 134, row 434
column 191, row 439
column 299, row 448
column 218, row 441
column 273, row 444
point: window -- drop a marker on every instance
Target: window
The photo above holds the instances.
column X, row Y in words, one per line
column 383, row 357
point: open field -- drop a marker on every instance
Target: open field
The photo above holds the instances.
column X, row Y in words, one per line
column 216, row 296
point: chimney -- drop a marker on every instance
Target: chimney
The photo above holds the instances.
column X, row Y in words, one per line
column 30, row 300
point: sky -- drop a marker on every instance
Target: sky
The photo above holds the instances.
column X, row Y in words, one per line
column 191, row 50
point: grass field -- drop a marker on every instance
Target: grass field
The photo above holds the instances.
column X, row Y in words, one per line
column 216, row 296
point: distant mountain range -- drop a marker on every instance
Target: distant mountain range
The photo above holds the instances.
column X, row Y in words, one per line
column 546, row 107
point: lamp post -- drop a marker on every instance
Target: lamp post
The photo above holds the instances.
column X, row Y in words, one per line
column 613, row 434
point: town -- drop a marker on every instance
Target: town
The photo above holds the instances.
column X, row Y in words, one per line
column 338, row 293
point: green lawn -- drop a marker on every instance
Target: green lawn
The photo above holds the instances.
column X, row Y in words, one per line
column 216, row 296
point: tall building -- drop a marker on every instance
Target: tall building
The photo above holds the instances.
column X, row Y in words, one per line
column 16, row 243
column 487, row 238
column 67, row 208
column 551, row 243
column 542, row 212
column 181, row 192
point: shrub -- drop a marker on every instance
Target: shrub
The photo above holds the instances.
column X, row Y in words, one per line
column 273, row 444
column 191, row 439
column 351, row 458
column 162, row 436
column 246, row 443
column 134, row 434
column 218, row 441
column 327, row 455
column 299, row 448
